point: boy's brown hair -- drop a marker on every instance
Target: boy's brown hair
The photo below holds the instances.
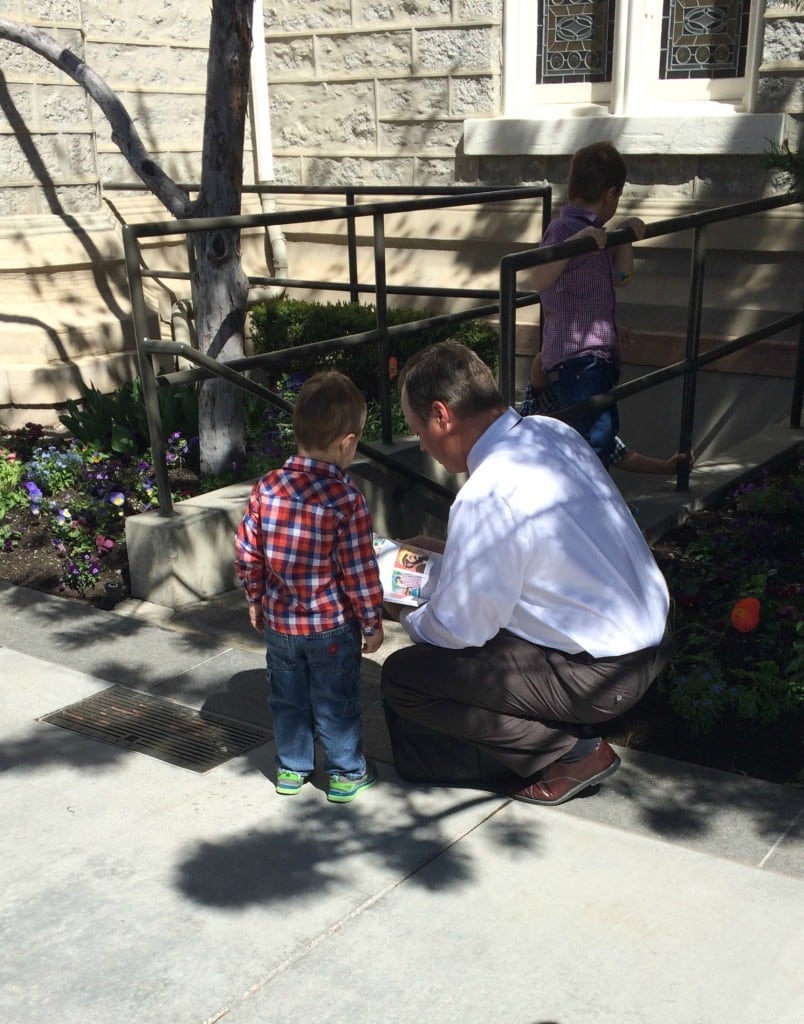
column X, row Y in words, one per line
column 328, row 407
column 595, row 169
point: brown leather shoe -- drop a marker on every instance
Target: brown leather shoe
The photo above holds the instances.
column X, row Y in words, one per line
column 560, row 781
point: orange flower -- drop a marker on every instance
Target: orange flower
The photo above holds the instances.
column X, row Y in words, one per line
column 745, row 614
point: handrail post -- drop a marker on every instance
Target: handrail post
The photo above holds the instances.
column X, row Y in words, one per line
column 798, row 380
column 351, row 249
column 693, row 343
column 153, row 415
column 383, row 341
column 507, row 329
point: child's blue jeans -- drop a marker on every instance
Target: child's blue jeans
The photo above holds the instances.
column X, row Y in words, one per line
column 579, row 379
column 315, row 692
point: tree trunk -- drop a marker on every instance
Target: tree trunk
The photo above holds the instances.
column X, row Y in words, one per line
column 220, row 287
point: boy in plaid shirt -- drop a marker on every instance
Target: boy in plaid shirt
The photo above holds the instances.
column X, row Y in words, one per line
column 305, row 558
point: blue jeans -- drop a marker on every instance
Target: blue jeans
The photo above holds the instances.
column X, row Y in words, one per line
column 315, row 692
column 580, row 379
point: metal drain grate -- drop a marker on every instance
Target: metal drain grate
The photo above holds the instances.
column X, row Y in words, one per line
column 157, row 727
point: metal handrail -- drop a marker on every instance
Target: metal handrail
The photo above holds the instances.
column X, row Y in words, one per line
column 509, row 299
column 148, row 348
column 515, row 263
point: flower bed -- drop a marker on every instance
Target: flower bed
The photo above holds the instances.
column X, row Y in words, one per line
column 731, row 698
column 733, row 694
column 63, row 507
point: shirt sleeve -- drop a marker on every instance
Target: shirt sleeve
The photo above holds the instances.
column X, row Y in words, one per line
column 249, row 557
column 480, row 580
column 360, row 578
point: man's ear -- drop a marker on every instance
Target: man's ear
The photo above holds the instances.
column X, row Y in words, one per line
column 440, row 415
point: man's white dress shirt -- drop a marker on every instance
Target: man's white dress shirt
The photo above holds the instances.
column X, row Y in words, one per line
column 541, row 542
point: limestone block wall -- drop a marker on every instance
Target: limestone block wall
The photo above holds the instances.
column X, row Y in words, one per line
column 781, row 73
column 361, row 92
column 64, row 304
column 379, row 92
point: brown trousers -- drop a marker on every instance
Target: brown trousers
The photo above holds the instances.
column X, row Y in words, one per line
column 524, row 705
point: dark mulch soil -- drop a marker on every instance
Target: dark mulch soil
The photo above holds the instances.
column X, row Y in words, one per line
column 706, row 561
column 35, row 563
column 773, row 752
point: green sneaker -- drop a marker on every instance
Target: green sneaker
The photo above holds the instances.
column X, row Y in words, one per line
column 342, row 790
column 289, row 783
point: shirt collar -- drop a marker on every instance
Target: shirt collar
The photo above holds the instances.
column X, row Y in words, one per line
column 316, row 467
column 491, row 436
column 581, row 213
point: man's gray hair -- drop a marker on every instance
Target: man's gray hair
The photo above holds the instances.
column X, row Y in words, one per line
column 453, row 374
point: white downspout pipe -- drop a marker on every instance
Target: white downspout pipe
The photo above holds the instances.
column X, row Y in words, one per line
column 276, row 253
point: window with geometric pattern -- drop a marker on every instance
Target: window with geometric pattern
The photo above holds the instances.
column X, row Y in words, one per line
column 576, row 41
column 628, row 57
column 704, row 40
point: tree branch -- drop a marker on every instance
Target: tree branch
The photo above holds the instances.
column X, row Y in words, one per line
column 124, row 134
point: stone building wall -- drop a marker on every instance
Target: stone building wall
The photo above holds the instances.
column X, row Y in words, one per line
column 374, row 92
column 377, row 92
column 64, row 304
column 384, row 92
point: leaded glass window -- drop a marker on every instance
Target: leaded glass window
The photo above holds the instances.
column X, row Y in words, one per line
column 704, row 40
column 576, row 41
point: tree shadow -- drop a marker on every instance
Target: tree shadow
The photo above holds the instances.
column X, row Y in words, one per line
column 314, row 850
column 300, row 847
column 97, row 259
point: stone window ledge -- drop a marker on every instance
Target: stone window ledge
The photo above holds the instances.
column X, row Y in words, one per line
column 694, row 132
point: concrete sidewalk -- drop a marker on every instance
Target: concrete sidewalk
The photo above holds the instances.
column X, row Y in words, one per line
column 134, row 890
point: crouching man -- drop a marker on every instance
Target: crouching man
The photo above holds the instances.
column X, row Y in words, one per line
column 549, row 614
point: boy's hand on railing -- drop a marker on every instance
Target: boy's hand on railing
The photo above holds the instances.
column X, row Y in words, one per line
column 676, row 460
column 636, row 225
column 599, row 235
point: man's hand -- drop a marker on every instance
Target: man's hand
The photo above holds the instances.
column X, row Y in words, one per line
column 426, row 543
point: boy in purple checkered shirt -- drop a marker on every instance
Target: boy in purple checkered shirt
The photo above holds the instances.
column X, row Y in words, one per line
column 579, row 333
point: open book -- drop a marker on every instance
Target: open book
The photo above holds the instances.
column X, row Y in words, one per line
column 408, row 574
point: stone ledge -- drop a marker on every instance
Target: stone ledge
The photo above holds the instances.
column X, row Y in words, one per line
column 711, row 134
column 189, row 556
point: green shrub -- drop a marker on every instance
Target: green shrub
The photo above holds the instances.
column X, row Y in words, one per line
column 288, row 323
column 118, row 423
column 11, row 495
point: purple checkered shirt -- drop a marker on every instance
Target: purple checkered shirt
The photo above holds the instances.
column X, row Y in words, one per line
column 578, row 309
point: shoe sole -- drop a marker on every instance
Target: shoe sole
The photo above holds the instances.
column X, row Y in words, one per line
column 345, row 798
column 594, row 781
column 289, row 790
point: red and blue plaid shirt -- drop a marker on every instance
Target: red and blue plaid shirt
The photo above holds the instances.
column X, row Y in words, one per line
column 305, row 549
column 578, row 309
